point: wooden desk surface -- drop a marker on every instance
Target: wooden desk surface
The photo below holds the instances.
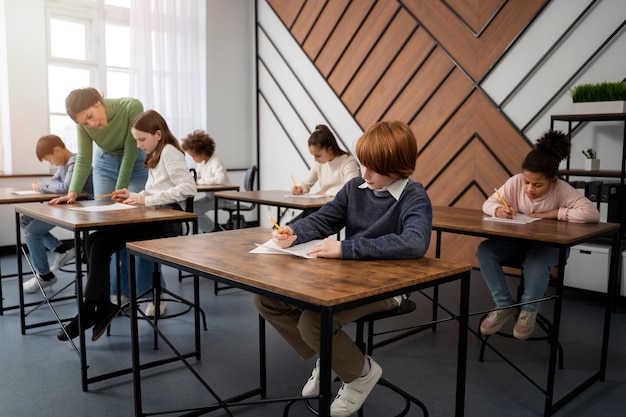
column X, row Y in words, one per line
column 8, row 196
column 205, row 188
column 470, row 222
column 319, row 281
column 280, row 198
column 62, row 215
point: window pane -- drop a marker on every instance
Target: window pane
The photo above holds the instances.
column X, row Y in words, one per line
column 62, row 80
column 119, row 3
column 65, row 128
column 67, row 39
column 117, row 46
column 118, row 84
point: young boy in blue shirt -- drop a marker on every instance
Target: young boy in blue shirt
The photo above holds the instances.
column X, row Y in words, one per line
column 50, row 148
column 386, row 215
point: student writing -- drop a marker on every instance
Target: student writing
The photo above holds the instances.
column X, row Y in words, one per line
column 536, row 192
column 37, row 236
column 386, row 216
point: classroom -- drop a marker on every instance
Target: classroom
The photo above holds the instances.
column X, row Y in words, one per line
column 477, row 82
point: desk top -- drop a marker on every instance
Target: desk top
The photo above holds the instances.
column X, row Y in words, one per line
column 318, row 281
column 470, row 222
column 63, row 216
column 8, row 196
column 278, row 198
column 206, row 188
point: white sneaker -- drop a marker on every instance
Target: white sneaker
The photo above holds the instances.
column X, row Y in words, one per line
column 62, row 259
column 150, row 308
column 352, row 396
column 312, row 386
column 123, row 299
column 31, row 287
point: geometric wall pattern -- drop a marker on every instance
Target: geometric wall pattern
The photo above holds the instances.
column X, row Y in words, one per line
column 422, row 62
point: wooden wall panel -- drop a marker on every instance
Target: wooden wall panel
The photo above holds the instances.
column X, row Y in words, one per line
column 365, row 39
column 340, row 38
column 306, row 19
column 422, row 61
column 380, row 58
column 324, row 26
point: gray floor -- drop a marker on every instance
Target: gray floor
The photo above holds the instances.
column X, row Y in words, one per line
column 40, row 375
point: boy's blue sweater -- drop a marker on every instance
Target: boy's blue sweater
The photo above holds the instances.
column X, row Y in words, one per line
column 377, row 225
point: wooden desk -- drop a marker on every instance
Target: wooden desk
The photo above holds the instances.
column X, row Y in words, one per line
column 205, row 188
column 8, row 196
column 278, row 198
column 81, row 222
column 562, row 235
column 347, row 284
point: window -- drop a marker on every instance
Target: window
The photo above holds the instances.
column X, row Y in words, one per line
column 88, row 46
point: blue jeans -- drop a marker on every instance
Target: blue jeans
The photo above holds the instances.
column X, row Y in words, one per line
column 38, row 238
column 106, row 168
column 200, row 207
column 536, row 261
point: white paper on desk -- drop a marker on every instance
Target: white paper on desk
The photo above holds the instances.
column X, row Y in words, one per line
column 519, row 219
column 108, row 207
column 26, row 192
column 305, row 195
column 272, row 248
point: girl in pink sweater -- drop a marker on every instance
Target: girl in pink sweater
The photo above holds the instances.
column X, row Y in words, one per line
column 536, row 192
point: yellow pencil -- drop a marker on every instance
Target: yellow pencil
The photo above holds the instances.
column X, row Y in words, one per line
column 104, row 195
column 295, row 184
column 502, row 199
column 280, row 229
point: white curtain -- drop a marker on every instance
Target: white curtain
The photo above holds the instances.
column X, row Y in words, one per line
column 167, row 67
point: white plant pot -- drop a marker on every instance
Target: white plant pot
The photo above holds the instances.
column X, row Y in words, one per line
column 599, row 107
column 592, row 164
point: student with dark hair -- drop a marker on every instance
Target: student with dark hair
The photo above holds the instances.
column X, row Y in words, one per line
column 169, row 185
column 333, row 166
column 536, row 192
column 386, row 216
column 210, row 171
column 37, row 236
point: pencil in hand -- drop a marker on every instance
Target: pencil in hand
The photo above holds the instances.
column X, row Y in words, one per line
column 502, row 199
column 104, row 195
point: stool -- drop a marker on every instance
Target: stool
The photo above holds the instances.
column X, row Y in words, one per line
column 542, row 321
column 368, row 345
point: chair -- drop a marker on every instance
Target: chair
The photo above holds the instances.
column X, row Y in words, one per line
column 368, row 346
column 188, row 209
column 542, row 321
column 231, row 206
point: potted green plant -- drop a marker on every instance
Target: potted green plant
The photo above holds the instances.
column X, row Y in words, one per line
column 598, row 98
column 592, row 163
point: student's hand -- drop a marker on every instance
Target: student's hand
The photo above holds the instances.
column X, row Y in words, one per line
column 296, row 189
column 505, row 213
column 321, row 192
column 70, row 198
column 135, row 201
column 328, row 248
column 552, row 214
column 120, row 195
column 284, row 238
column 35, row 187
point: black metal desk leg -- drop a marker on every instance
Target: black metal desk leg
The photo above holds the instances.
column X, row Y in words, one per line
column 79, row 303
column 134, row 334
column 326, row 354
column 461, row 370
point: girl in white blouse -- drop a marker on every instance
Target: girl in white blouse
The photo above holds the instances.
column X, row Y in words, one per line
column 169, row 184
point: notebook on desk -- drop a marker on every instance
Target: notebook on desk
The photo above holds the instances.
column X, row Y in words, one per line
column 519, row 219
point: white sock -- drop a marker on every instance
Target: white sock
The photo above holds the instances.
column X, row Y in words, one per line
column 366, row 367
column 398, row 299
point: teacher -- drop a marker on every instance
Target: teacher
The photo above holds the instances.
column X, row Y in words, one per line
column 117, row 162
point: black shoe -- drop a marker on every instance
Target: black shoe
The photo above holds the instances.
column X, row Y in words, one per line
column 71, row 329
column 103, row 319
